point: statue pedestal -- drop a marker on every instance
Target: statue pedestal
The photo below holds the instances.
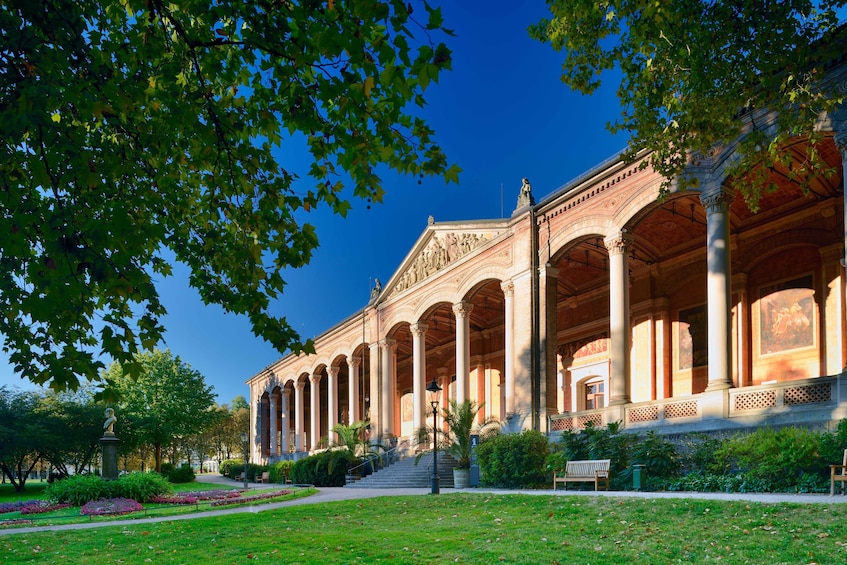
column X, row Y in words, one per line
column 109, row 443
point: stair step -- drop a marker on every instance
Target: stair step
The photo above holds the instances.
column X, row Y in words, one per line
column 404, row 473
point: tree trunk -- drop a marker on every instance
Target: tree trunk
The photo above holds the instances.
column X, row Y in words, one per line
column 157, row 448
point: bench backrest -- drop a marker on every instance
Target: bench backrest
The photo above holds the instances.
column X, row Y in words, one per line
column 587, row 468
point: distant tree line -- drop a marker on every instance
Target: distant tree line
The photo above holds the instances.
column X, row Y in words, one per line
column 167, row 413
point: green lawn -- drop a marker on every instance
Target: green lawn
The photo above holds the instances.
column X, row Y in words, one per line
column 466, row 528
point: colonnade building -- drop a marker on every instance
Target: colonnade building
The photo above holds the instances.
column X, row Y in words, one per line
column 597, row 303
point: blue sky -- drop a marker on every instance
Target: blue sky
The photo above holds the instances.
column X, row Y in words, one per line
column 501, row 114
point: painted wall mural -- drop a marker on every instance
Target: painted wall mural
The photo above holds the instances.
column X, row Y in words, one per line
column 786, row 316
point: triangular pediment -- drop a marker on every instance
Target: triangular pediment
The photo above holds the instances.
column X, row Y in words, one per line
column 441, row 246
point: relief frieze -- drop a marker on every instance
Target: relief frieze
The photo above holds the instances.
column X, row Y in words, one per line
column 438, row 253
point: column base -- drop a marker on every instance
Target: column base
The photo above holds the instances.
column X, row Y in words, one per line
column 715, row 404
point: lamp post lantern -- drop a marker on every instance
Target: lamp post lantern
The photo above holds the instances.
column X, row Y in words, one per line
column 244, row 438
column 434, row 389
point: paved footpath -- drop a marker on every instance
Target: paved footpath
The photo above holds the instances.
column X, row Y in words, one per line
column 333, row 494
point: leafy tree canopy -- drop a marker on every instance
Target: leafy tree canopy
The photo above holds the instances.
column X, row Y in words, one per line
column 168, row 400
column 135, row 133
column 696, row 74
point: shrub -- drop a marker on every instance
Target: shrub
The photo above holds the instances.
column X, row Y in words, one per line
column 182, row 474
column 166, row 469
column 77, row 490
column 513, row 460
column 280, row 471
column 774, row 458
column 321, row 470
column 658, row 455
column 228, row 467
column 831, row 445
column 140, row 486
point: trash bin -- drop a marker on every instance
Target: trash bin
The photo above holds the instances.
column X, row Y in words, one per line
column 639, row 477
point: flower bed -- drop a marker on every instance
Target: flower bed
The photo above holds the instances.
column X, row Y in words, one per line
column 42, row 506
column 19, row 522
column 241, row 500
column 6, row 507
column 110, row 507
column 195, row 497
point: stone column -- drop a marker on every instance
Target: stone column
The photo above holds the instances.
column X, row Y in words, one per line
column 273, row 415
column 315, row 397
column 841, row 144
column 620, row 333
column 419, row 373
column 548, row 278
column 508, row 288
column 462, row 311
column 718, row 288
column 480, row 391
column 388, row 346
column 286, row 422
column 353, row 389
column 331, row 401
column 298, row 416
column 374, row 411
column 741, row 331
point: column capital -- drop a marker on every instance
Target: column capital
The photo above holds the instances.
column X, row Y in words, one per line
column 299, row 386
column 388, row 343
column 508, row 288
column 332, row 371
column 461, row 309
column 618, row 243
column 353, row 361
column 418, row 329
column 717, row 200
column 841, row 143
column 315, row 378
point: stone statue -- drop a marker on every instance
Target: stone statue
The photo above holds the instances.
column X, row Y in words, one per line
column 525, row 196
column 109, row 424
column 376, row 289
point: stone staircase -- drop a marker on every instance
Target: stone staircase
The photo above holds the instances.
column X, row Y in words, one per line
column 403, row 473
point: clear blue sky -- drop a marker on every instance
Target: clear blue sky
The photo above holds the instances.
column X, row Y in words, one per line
column 501, row 114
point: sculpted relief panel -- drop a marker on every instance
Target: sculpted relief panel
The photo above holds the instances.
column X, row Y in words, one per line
column 438, row 253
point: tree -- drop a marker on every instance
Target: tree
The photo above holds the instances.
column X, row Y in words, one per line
column 76, row 424
column 697, row 74
column 21, row 435
column 139, row 133
column 462, row 421
column 168, row 400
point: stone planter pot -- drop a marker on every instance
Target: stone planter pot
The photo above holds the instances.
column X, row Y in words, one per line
column 461, row 478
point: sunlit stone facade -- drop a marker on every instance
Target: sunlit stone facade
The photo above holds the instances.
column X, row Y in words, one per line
column 597, row 303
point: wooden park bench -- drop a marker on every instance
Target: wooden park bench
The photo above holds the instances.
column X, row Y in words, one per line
column 596, row 471
column 838, row 473
column 265, row 478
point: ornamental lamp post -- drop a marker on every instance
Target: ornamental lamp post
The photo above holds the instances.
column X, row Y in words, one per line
column 434, row 389
column 244, row 438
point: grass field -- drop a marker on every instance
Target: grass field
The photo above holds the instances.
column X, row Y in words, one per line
column 466, row 528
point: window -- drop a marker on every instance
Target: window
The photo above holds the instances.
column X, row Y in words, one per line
column 594, row 393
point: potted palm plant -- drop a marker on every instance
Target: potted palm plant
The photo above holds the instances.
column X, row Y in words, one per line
column 462, row 422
